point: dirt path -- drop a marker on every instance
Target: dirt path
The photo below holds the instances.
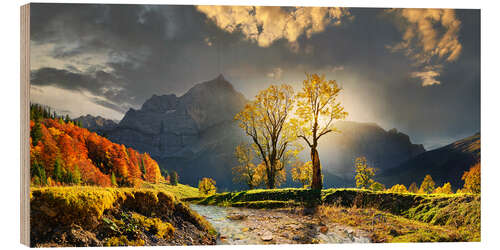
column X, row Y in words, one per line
column 241, row 226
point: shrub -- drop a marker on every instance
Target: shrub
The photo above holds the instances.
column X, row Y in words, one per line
column 207, row 186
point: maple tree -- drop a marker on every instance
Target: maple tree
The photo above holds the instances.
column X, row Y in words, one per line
column 472, row 179
column 445, row 189
column 206, row 186
column 246, row 172
column 364, row 173
column 302, row 172
column 427, row 185
column 317, row 109
column 266, row 121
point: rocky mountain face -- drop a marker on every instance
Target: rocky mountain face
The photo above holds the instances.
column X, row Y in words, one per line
column 97, row 124
column 383, row 149
column 195, row 134
column 445, row 164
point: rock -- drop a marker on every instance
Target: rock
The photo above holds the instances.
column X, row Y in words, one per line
column 267, row 236
column 296, row 238
column 236, row 216
column 245, row 229
column 323, row 229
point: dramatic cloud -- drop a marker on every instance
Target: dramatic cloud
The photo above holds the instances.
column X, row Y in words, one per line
column 101, row 84
column 265, row 25
column 104, row 59
column 430, row 38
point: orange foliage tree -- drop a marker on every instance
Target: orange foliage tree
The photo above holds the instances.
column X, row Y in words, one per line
column 67, row 154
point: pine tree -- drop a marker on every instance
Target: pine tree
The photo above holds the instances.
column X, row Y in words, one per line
column 58, row 170
column 174, row 178
column 36, row 133
column 77, row 177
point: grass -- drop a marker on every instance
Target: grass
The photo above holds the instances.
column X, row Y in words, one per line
column 180, row 190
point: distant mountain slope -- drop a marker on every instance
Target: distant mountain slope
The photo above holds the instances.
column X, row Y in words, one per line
column 97, row 124
column 445, row 164
column 383, row 149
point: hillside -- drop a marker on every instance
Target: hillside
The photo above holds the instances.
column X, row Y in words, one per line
column 63, row 153
column 445, row 164
column 96, row 216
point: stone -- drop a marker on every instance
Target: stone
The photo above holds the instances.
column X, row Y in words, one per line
column 323, row 229
column 267, row 236
column 236, row 216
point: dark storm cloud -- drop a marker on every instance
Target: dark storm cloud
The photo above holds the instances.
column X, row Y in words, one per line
column 167, row 49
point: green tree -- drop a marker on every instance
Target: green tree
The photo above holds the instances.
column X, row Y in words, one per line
column 58, row 170
column 36, row 133
column 317, row 109
column 113, row 180
column 377, row 186
column 428, row 185
column 77, row 176
column 206, row 186
column 364, row 173
column 174, row 178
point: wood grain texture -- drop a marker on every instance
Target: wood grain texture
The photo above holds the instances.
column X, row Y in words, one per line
column 25, row 98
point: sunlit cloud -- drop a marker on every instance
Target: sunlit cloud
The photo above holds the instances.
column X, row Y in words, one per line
column 265, row 25
column 428, row 77
column 430, row 39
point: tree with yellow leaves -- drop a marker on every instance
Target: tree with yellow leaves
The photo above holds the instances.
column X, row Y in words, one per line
column 317, row 109
column 206, row 186
column 398, row 188
column 413, row 188
column 472, row 179
column 246, row 172
column 364, row 173
column 427, row 186
column 445, row 189
column 266, row 121
column 302, row 172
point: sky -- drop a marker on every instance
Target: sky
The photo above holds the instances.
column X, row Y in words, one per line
column 416, row 70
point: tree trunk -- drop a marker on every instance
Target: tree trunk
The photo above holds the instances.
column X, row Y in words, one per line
column 271, row 181
column 317, row 181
